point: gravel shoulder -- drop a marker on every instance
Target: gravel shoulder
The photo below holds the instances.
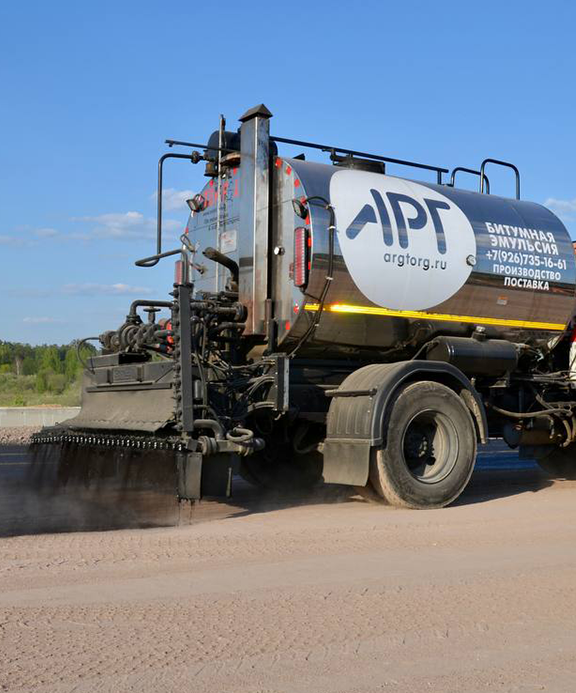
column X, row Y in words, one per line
column 323, row 597
column 17, row 435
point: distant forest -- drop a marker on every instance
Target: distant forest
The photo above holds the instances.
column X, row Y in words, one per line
column 47, row 374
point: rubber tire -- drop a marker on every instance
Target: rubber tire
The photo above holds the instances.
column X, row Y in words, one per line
column 559, row 463
column 389, row 473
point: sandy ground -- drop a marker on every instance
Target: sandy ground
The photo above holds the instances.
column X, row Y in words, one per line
column 318, row 595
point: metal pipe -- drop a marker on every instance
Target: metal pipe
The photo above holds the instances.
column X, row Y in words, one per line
column 221, row 128
column 169, row 155
column 213, row 425
column 228, row 326
column 221, row 259
column 528, row 415
column 149, row 304
column 468, row 170
column 179, row 143
column 352, row 152
column 153, row 259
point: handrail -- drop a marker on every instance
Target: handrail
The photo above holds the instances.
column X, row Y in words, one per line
column 364, row 155
column 180, row 143
column 468, row 170
column 153, row 259
column 507, row 164
column 194, row 158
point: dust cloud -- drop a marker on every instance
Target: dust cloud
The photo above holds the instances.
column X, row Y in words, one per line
column 48, row 488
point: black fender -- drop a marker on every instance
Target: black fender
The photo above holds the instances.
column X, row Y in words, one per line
column 355, row 422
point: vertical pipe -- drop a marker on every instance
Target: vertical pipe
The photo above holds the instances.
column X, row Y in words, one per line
column 221, row 128
column 254, row 216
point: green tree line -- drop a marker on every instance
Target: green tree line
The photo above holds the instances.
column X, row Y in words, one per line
column 45, row 370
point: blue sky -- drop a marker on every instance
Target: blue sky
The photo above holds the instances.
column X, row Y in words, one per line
column 90, row 92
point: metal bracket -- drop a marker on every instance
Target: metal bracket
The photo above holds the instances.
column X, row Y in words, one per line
column 280, row 391
column 189, row 466
column 199, row 477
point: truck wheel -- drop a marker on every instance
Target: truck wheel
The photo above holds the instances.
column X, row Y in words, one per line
column 429, row 451
column 559, row 463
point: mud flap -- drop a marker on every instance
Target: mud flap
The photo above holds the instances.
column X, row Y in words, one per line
column 356, row 417
column 346, row 462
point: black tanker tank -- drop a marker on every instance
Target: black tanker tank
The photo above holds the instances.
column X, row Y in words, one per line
column 410, row 260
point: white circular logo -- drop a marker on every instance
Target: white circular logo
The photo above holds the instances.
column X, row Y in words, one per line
column 404, row 244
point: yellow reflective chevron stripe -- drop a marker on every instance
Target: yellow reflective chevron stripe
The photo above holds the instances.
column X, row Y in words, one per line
column 443, row 317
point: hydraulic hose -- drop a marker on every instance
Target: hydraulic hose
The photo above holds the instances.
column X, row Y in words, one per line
column 329, row 274
column 529, row 415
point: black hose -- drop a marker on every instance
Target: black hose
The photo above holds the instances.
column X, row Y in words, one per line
column 425, row 348
column 78, row 345
column 329, row 276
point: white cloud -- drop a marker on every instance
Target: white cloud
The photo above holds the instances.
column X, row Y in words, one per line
column 29, row 237
column 173, row 199
column 565, row 209
column 41, row 320
column 89, row 289
column 113, row 225
column 11, row 240
column 121, row 225
column 46, row 233
column 28, row 292
column 126, row 225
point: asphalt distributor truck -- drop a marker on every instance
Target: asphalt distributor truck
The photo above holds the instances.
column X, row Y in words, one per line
column 332, row 323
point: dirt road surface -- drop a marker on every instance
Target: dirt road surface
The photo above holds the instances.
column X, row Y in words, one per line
column 323, row 594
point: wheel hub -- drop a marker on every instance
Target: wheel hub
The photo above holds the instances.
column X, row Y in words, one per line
column 417, row 444
column 430, row 446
